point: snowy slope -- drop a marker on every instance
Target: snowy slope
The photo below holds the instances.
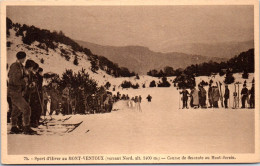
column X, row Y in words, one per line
column 53, row 61
column 161, row 127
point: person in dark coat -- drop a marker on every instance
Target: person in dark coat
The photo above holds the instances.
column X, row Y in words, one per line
column 210, row 96
column 149, row 98
column 35, row 98
column 244, row 95
column 41, row 102
column 226, row 96
column 202, row 96
column 19, row 104
column 185, row 94
column 252, row 96
column 140, row 98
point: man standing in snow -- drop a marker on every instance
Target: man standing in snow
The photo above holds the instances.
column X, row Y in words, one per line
column 149, row 98
column 185, row 94
column 202, row 96
column 252, row 96
column 244, row 94
column 226, row 96
column 19, row 105
column 36, row 97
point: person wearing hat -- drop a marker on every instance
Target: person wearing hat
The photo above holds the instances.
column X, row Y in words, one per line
column 226, row 96
column 244, row 94
column 19, row 104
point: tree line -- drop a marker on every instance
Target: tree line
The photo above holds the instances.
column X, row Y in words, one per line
column 244, row 62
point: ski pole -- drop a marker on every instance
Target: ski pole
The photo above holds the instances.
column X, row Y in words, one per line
column 179, row 100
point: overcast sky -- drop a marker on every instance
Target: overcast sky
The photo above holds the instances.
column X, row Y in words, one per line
column 142, row 25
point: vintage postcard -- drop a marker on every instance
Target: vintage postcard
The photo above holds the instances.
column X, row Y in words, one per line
column 125, row 82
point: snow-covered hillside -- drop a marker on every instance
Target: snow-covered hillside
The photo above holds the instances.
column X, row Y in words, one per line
column 52, row 60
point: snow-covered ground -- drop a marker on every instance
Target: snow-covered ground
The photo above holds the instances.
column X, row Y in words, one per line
column 161, row 127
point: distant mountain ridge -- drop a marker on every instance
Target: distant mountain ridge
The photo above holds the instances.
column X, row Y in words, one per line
column 221, row 50
column 141, row 59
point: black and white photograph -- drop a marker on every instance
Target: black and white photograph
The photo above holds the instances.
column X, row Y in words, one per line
column 119, row 83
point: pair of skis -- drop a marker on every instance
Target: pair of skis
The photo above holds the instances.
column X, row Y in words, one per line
column 219, row 84
column 236, row 96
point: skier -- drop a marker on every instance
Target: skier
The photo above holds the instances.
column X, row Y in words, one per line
column 54, row 95
column 140, row 98
column 28, row 88
column 149, row 98
column 36, row 97
column 19, row 104
column 185, row 94
column 210, row 95
column 252, row 96
column 202, row 96
column 215, row 96
column 226, row 96
column 244, row 94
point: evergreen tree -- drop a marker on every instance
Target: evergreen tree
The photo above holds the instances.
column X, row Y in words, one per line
column 229, row 79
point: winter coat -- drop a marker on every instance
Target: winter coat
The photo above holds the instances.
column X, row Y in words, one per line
column 215, row 94
column 226, row 95
column 184, row 94
column 16, row 78
column 252, row 92
column 39, row 81
column 149, row 98
column 202, row 93
column 210, row 94
column 244, row 92
column 195, row 96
